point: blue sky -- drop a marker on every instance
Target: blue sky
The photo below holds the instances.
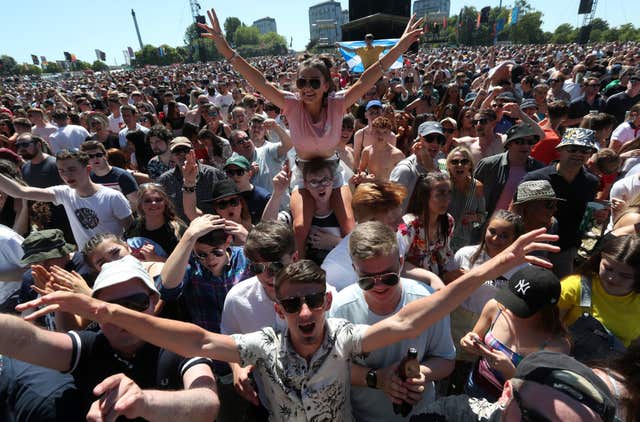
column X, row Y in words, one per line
column 47, row 28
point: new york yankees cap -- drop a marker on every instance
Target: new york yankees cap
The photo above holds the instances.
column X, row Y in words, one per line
column 529, row 290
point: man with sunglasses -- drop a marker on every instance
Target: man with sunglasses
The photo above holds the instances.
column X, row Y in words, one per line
column 500, row 174
column 486, row 142
column 379, row 293
column 366, row 136
column 308, row 366
column 547, row 387
column 239, row 170
column 115, row 372
column 107, row 175
column 589, row 101
column 425, row 150
column 572, row 182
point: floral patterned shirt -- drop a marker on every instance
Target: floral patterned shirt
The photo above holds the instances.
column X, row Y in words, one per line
column 317, row 391
column 432, row 256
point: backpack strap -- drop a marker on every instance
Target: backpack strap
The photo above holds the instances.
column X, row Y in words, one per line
column 585, row 294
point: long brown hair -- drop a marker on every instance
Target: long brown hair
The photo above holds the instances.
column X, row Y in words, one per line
column 419, row 202
column 624, row 249
column 169, row 213
column 504, row 215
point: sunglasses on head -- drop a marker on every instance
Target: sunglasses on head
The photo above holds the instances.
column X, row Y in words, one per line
column 482, row 121
column 96, row 155
column 313, row 83
column 237, row 172
column 222, row 204
column 25, row 144
column 293, row 305
column 525, row 141
column 434, row 138
column 218, row 253
column 136, row 302
column 316, row 183
column 460, row 162
column 388, row 279
column 272, row 268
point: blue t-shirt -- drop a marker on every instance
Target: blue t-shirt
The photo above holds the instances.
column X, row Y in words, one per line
column 256, row 200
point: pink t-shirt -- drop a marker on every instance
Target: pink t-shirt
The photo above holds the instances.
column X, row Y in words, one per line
column 515, row 175
column 315, row 139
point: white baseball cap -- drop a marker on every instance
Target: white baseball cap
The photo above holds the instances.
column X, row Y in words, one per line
column 122, row 270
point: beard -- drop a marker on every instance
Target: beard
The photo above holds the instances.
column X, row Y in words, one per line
column 28, row 155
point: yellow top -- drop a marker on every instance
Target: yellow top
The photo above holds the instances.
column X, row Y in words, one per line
column 369, row 55
column 620, row 314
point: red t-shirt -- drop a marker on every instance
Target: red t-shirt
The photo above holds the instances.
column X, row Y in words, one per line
column 545, row 149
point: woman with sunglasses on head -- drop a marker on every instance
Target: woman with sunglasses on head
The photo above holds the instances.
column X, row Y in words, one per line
column 467, row 200
column 314, row 113
column 427, row 227
column 157, row 219
column 606, row 289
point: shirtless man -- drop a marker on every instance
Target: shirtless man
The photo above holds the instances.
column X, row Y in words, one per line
column 425, row 103
column 364, row 137
column 380, row 157
column 487, row 142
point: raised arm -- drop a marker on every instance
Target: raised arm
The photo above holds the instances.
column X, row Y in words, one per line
column 417, row 316
column 250, row 73
column 376, row 71
column 182, row 338
column 16, row 190
column 344, row 47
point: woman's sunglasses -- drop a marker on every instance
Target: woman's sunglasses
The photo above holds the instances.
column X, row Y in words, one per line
column 222, row 204
column 292, row 305
column 461, row 162
column 313, row 83
column 388, row 279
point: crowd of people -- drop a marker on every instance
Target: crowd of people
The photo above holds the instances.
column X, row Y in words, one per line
column 276, row 238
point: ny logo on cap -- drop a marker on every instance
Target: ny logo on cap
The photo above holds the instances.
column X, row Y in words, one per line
column 522, row 286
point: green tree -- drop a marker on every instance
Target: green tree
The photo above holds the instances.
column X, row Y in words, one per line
column 193, row 40
column 7, row 65
column 28, row 69
column 151, row 55
column 247, row 35
column 53, row 67
column 564, row 34
column 627, row 32
column 274, row 43
column 528, row 29
column 231, row 24
column 99, row 66
column 80, row 65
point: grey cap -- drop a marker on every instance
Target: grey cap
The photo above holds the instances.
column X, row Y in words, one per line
column 427, row 128
column 528, row 103
column 535, row 190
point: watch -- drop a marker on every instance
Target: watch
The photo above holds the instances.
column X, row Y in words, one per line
column 372, row 379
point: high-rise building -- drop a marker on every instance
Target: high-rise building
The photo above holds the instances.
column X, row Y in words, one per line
column 432, row 7
column 266, row 25
column 325, row 21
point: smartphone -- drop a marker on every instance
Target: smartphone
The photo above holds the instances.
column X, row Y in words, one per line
column 482, row 345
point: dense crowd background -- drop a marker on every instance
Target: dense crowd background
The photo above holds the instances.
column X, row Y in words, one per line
column 459, row 152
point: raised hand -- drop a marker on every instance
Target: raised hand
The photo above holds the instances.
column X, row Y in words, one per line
column 202, row 225
column 190, row 169
column 214, row 32
column 413, row 29
column 119, row 395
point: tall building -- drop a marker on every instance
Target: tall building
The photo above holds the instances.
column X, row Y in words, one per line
column 432, row 7
column 266, row 25
column 325, row 21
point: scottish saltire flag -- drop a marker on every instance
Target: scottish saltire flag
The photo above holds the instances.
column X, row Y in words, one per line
column 353, row 60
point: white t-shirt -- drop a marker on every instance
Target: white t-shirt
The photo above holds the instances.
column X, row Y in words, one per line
column 115, row 123
column 10, row 255
column 624, row 133
column 626, row 188
column 67, row 137
column 223, row 102
column 122, row 135
column 98, row 213
column 44, row 132
column 488, row 290
column 339, row 266
column 373, row 405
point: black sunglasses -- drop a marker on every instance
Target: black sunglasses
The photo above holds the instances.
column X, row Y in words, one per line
column 272, row 268
column 292, row 305
column 576, row 149
column 461, row 162
column 482, row 121
column 218, row 253
column 525, row 141
column 96, row 155
column 232, row 172
column 136, row 302
column 222, row 204
column 181, row 150
column 313, row 83
column 388, row 279
column 24, row 144
column 434, row 138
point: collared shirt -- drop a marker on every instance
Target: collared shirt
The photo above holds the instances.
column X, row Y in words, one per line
column 204, row 293
column 577, row 194
column 207, row 177
column 301, row 391
column 493, row 172
column 407, row 172
column 122, row 135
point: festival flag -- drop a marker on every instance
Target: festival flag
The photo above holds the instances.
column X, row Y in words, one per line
column 161, row 51
column 444, row 22
column 101, row 55
column 500, row 25
column 130, row 50
column 460, row 17
column 353, row 60
column 513, row 16
column 484, row 14
column 35, row 60
column 43, row 60
column 73, row 58
column 67, row 56
column 478, row 21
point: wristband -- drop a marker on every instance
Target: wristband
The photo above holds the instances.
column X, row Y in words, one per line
column 189, row 189
column 372, row 379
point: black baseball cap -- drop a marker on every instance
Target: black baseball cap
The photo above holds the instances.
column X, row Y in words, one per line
column 565, row 374
column 223, row 189
column 530, row 289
